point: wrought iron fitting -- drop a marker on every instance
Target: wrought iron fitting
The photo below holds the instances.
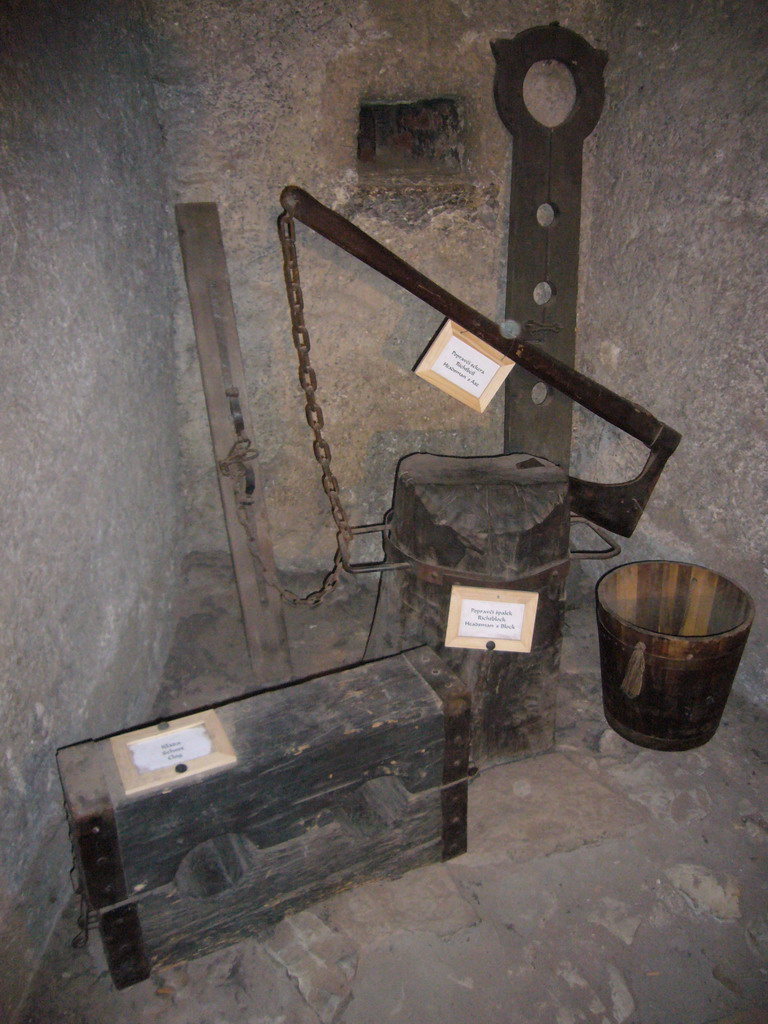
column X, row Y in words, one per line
column 315, row 417
column 286, row 227
column 330, row 485
column 308, row 379
column 322, row 451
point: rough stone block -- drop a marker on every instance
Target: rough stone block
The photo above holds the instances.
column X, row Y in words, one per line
column 541, row 806
column 320, row 960
column 423, row 900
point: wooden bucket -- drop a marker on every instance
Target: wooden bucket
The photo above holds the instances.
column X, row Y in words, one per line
column 671, row 638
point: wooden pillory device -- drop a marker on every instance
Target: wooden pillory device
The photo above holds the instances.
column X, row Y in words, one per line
column 306, row 790
column 193, row 833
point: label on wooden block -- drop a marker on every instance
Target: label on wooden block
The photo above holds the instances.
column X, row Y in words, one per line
column 171, row 752
column 499, row 619
column 491, row 619
column 164, row 750
column 464, row 366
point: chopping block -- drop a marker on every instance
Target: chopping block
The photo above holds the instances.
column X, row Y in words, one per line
column 195, row 833
column 493, row 524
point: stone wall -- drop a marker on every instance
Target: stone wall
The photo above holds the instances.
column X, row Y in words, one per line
column 87, row 425
column 673, row 293
column 229, row 102
column 259, row 95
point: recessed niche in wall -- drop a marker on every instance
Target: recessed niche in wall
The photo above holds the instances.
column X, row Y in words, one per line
column 423, row 136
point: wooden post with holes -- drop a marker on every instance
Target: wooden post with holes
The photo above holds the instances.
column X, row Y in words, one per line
column 545, row 218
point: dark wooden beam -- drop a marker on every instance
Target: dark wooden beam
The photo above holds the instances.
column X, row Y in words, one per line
column 226, row 397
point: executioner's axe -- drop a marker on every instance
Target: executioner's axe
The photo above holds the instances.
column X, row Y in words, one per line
column 617, row 507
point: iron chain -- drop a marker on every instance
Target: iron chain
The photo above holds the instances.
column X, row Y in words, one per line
column 308, row 377
column 242, row 450
column 234, row 467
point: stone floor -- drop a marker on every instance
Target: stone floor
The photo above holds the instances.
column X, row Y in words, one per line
column 604, row 883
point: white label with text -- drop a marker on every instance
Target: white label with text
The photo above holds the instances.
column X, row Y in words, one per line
column 465, row 367
column 491, row 619
column 170, row 748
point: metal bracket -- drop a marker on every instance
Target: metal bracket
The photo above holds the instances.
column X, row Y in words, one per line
column 355, row 568
column 613, row 549
column 440, row 575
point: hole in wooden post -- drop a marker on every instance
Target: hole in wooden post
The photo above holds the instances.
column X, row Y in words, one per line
column 549, row 92
column 546, row 215
column 375, row 806
column 214, row 866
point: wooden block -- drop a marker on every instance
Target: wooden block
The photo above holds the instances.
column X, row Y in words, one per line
column 496, row 524
column 357, row 775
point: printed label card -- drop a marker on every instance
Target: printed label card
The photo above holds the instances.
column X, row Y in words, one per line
column 500, row 620
column 464, row 366
column 170, row 752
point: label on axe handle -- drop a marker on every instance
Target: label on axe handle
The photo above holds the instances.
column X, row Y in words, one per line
column 464, row 366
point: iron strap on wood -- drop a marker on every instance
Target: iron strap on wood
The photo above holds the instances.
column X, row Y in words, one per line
column 441, row 576
column 617, row 507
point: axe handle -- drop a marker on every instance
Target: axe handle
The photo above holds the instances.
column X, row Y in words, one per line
column 618, row 507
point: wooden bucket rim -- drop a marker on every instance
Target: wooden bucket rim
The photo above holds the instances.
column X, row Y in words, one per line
column 740, row 628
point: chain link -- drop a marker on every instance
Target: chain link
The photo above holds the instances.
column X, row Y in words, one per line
column 242, row 450
column 308, row 377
